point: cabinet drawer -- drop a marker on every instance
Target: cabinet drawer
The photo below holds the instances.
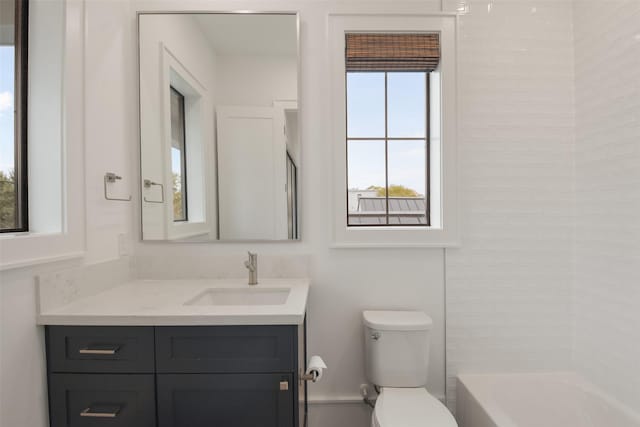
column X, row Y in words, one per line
column 100, row 349
column 225, row 349
column 238, row 400
column 113, row 400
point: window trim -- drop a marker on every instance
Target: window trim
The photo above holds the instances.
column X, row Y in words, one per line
column 386, row 139
column 56, row 227
column 176, row 74
column 21, row 79
column 444, row 233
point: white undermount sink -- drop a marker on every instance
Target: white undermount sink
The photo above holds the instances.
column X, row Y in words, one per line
column 241, row 296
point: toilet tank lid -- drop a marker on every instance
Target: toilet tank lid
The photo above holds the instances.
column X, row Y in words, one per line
column 397, row 320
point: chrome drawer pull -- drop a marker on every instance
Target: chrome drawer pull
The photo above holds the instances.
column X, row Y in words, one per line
column 87, row 413
column 103, row 351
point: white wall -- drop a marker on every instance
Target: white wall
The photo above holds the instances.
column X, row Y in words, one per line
column 255, row 80
column 607, row 291
column 109, row 127
column 23, row 385
column 509, row 284
column 109, row 135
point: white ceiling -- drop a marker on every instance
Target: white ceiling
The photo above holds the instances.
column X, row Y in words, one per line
column 250, row 34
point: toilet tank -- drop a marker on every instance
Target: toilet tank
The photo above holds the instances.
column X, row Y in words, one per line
column 397, row 347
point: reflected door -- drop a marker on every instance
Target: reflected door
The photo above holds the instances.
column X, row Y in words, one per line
column 251, row 173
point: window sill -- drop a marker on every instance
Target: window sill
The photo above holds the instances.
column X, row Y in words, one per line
column 24, row 235
column 25, row 249
column 399, row 245
column 42, row 260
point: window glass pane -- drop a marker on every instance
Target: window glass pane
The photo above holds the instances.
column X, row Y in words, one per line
column 407, row 109
column 365, row 105
column 178, row 161
column 407, row 182
column 366, row 182
column 8, row 185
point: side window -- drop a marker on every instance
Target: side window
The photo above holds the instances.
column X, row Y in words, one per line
column 178, row 156
column 13, row 116
column 388, row 128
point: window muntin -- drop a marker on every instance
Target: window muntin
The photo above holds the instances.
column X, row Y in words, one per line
column 13, row 118
column 178, row 156
column 387, row 148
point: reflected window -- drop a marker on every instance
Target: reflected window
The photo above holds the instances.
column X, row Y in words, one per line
column 178, row 157
column 13, row 116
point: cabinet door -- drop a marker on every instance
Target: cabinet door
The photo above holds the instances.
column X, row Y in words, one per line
column 110, row 400
column 225, row 400
column 225, row 349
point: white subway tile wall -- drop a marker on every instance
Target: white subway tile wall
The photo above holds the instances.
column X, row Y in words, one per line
column 607, row 283
column 509, row 284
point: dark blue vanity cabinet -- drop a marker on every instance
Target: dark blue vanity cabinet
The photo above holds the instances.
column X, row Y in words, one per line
column 176, row 376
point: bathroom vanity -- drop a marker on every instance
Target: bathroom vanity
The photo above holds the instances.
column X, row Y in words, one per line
column 180, row 353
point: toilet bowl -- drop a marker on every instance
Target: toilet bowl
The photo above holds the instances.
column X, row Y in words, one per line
column 410, row 407
column 397, row 360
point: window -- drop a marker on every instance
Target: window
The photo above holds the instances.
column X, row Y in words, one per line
column 388, row 148
column 388, row 128
column 401, row 69
column 178, row 157
column 13, row 116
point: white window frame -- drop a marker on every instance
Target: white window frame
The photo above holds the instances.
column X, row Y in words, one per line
column 446, row 232
column 56, row 153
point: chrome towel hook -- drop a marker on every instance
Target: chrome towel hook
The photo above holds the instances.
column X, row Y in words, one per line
column 147, row 184
column 110, row 178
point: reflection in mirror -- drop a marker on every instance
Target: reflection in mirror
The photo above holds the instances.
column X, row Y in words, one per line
column 220, row 150
column 178, row 158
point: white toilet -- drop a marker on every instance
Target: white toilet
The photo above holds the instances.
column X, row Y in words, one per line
column 397, row 358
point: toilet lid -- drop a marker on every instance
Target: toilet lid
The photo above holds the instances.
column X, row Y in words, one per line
column 411, row 407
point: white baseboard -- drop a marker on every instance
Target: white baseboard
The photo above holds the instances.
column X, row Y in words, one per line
column 345, row 400
column 335, row 400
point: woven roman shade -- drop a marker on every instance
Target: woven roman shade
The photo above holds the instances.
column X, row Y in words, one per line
column 392, row 51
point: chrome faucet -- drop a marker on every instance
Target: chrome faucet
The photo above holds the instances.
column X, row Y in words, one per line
column 252, row 266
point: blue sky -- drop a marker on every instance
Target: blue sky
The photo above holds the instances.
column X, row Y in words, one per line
column 406, row 94
column 6, row 107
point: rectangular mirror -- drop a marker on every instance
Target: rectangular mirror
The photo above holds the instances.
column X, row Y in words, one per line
column 220, row 149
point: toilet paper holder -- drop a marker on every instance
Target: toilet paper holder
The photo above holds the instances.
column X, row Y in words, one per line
column 314, row 370
column 311, row 376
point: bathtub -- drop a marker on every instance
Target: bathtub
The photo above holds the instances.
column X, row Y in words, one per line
column 536, row 400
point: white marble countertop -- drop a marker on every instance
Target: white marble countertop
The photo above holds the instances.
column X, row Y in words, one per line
column 162, row 303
